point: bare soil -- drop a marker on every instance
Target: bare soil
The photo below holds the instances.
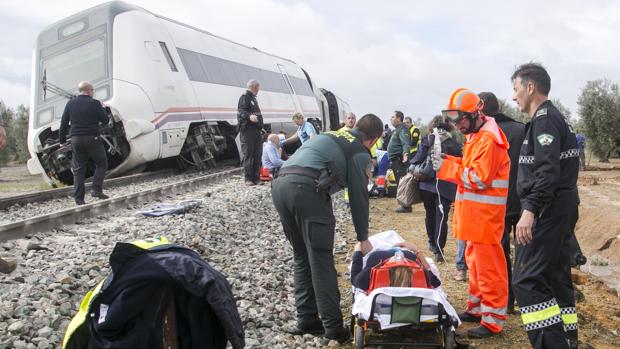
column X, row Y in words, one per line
column 15, row 179
column 598, row 231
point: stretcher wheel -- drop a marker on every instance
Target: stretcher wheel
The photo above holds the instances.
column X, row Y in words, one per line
column 449, row 342
column 359, row 337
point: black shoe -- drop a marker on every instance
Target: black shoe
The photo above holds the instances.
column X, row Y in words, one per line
column 439, row 258
column 479, row 332
column 467, row 317
column 403, row 209
column 341, row 334
column 101, row 196
column 314, row 326
column 80, row 202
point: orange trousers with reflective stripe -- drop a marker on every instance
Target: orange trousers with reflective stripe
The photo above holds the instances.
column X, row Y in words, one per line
column 488, row 284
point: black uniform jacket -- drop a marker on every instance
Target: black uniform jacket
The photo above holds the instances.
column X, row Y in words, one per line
column 84, row 114
column 515, row 132
column 127, row 312
column 246, row 107
column 548, row 162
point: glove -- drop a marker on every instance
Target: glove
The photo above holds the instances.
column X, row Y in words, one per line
column 411, row 168
column 437, row 160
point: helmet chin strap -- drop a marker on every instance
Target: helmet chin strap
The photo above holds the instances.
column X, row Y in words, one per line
column 472, row 123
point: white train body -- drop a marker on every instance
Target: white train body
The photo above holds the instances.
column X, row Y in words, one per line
column 172, row 89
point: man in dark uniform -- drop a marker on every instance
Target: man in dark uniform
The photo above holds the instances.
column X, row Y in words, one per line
column 301, row 195
column 515, row 132
column 547, row 187
column 250, row 127
column 398, row 150
column 82, row 116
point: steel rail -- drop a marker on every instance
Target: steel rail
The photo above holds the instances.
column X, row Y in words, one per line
column 50, row 194
column 47, row 222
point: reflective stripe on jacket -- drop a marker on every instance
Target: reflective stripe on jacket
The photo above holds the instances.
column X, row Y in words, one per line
column 482, row 179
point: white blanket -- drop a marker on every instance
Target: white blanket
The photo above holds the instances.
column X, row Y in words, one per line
column 363, row 302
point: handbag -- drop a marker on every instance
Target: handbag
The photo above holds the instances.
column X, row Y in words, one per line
column 408, row 192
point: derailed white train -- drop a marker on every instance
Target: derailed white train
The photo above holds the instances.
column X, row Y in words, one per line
column 171, row 89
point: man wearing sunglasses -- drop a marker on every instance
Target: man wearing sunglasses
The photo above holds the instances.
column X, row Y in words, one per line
column 481, row 176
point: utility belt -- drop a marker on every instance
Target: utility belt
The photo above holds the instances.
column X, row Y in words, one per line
column 325, row 179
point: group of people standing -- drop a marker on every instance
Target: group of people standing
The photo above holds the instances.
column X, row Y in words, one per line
column 507, row 179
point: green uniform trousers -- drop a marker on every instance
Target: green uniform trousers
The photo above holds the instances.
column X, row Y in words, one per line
column 308, row 221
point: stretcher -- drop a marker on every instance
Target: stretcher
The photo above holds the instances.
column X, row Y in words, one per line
column 402, row 316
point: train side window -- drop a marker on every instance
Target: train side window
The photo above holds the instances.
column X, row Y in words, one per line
column 164, row 48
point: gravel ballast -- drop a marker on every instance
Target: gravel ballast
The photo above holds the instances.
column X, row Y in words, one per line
column 236, row 230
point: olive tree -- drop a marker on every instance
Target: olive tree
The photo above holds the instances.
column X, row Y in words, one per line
column 599, row 108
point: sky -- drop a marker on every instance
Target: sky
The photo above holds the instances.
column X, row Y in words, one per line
column 379, row 56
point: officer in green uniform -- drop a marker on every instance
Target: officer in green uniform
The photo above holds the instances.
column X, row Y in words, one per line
column 301, row 194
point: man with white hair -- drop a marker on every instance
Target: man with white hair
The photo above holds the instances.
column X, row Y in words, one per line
column 349, row 121
column 250, row 126
column 272, row 158
column 81, row 119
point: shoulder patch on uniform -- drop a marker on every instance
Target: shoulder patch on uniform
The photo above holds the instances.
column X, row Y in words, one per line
column 541, row 112
column 545, row 139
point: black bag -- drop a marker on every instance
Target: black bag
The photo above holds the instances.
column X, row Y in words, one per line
column 424, row 172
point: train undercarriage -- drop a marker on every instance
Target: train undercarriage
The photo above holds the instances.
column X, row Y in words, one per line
column 205, row 145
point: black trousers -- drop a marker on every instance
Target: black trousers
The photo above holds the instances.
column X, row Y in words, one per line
column 510, row 224
column 399, row 168
column 433, row 219
column 252, row 148
column 84, row 149
column 541, row 277
column 309, row 225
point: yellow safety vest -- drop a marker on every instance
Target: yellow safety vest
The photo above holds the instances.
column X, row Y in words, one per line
column 415, row 132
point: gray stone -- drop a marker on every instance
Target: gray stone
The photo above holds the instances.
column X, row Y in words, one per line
column 17, row 327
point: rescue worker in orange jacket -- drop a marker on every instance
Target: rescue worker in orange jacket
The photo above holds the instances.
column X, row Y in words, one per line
column 481, row 176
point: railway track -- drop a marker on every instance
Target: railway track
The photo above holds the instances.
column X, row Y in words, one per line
column 50, row 194
column 51, row 220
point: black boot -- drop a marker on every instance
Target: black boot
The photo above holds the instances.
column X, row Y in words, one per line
column 479, row 332
column 341, row 334
column 313, row 326
column 467, row 317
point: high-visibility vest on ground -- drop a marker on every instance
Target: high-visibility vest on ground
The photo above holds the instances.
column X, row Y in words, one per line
column 482, row 178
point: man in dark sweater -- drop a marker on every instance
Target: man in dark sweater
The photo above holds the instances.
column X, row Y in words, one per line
column 81, row 118
column 250, row 126
column 515, row 132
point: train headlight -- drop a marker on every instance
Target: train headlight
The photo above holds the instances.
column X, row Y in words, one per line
column 45, row 116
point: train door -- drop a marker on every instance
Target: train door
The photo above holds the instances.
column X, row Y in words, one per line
column 289, row 85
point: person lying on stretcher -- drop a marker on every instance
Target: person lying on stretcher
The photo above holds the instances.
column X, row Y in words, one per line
column 399, row 276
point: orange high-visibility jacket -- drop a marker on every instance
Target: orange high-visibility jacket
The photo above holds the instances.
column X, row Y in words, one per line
column 482, row 178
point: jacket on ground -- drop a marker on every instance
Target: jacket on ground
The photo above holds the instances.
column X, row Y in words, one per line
column 126, row 309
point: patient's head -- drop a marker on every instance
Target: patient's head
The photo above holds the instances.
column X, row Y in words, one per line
column 400, row 277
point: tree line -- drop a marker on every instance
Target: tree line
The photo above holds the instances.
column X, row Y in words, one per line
column 16, row 127
column 599, row 111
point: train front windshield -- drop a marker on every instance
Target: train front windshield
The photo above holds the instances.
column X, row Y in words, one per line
column 85, row 62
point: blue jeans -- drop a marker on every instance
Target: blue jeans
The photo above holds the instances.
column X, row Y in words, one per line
column 460, row 255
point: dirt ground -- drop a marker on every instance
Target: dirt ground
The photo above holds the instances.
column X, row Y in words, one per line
column 598, row 232
column 16, row 179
